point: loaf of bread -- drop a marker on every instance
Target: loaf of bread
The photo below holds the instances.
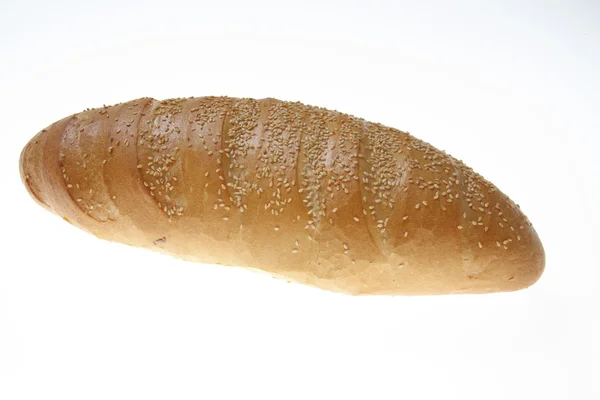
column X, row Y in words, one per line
column 304, row 193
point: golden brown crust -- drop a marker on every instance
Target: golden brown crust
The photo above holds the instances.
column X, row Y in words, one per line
column 303, row 193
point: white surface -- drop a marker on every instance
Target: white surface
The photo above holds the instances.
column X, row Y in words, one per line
column 511, row 88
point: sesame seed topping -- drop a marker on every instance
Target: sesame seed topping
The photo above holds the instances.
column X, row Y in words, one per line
column 286, row 153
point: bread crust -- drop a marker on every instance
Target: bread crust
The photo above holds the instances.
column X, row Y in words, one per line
column 306, row 194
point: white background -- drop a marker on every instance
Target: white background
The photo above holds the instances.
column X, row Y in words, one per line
column 510, row 87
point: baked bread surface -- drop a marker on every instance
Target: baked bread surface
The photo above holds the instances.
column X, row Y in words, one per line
column 304, row 193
